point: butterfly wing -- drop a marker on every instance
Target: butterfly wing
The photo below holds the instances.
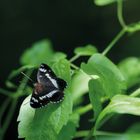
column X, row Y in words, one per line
column 36, row 102
column 46, row 76
column 46, row 96
column 61, row 84
column 48, row 89
column 56, row 96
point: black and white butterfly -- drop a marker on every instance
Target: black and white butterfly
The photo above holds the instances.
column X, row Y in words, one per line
column 48, row 89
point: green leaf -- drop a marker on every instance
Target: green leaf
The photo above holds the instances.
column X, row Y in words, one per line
column 130, row 67
column 58, row 56
column 48, row 121
column 96, row 92
column 39, row 53
column 121, row 104
column 62, row 69
column 87, row 50
column 25, row 118
column 111, row 77
column 125, row 104
column 69, row 130
column 61, row 116
column 79, row 85
column 104, row 2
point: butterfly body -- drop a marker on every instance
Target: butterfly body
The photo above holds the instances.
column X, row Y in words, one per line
column 38, row 88
column 48, row 89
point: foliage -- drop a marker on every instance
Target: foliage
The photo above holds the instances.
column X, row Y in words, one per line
column 105, row 82
column 103, row 2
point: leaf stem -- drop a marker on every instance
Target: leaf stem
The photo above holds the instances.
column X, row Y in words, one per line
column 74, row 66
column 88, row 107
column 120, row 13
column 9, row 84
column 113, row 42
column 135, row 93
column 104, row 133
column 74, row 58
column 83, row 110
column 90, row 134
column 82, row 133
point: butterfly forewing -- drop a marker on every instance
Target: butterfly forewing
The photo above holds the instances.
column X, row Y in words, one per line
column 61, row 83
column 46, row 76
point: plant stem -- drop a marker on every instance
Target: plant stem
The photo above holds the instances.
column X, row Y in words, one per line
column 135, row 93
column 84, row 133
column 3, row 108
column 90, row 134
column 9, row 84
column 18, row 94
column 93, row 130
column 74, row 58
column 9, row 117
column 104, row 133
column 5, row 92
column 84, row 109
column 113, row 42
column 120, row 13
column 74, row 66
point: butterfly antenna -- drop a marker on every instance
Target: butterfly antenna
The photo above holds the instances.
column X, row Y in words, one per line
column 27, row 77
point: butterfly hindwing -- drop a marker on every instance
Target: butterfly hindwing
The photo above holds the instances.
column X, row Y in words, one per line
column 45, row 97
column 39, row 98
column 57, row 96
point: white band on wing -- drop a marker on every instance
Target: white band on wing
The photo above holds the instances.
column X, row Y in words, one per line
column 42, row 69
column 52, row 80
column 49, row 95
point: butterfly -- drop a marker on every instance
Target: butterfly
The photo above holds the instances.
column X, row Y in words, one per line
column 48, row 89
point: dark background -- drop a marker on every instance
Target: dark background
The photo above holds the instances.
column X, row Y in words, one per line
column 68, row 24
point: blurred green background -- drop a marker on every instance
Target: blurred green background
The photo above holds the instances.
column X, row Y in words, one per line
column 68, row 24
